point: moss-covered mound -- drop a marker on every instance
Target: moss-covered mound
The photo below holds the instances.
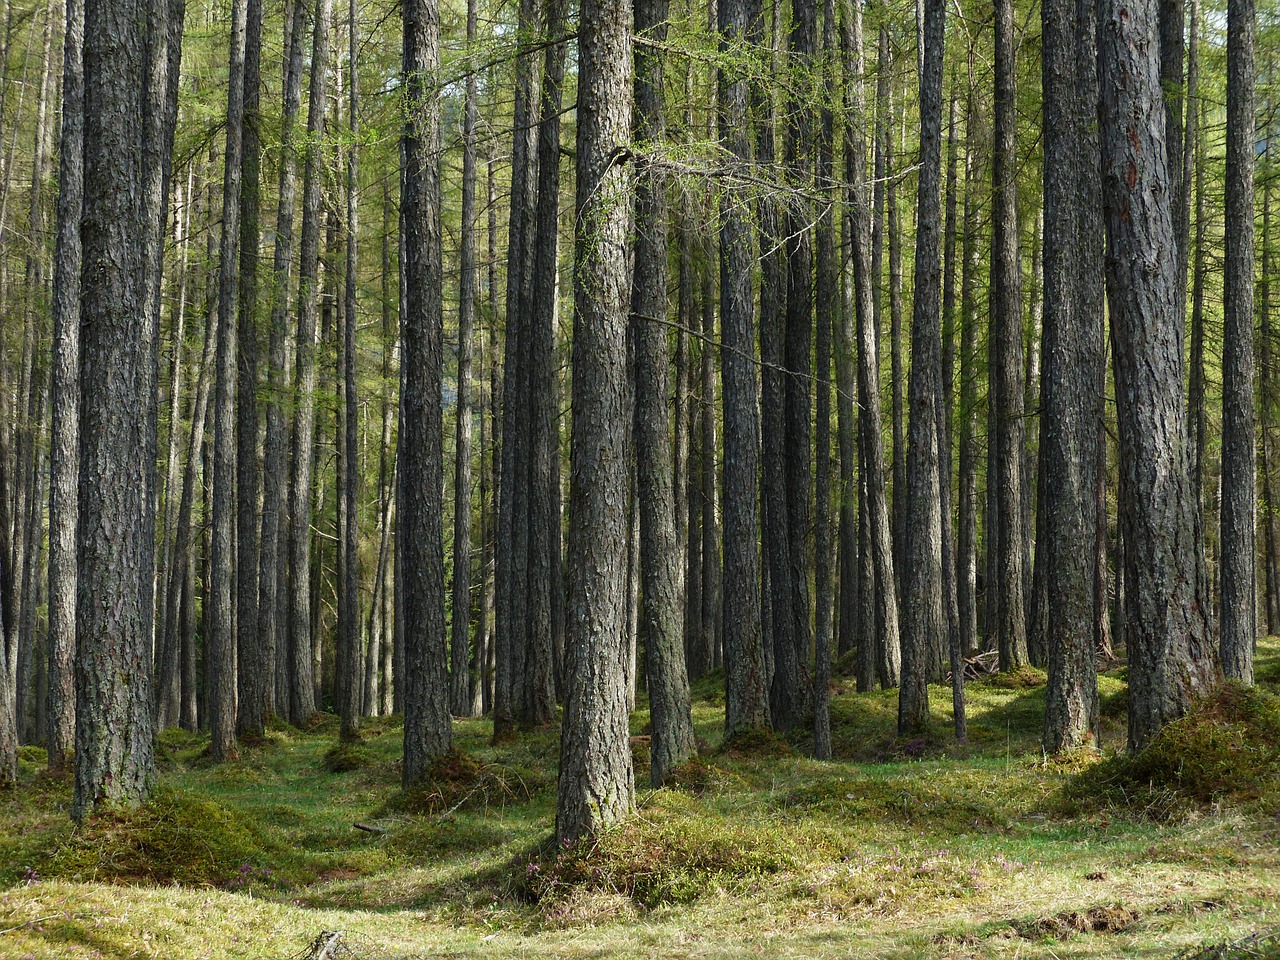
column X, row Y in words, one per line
column 1227, row 749
column 457, row 780
column 674, row 853
column 171, row 839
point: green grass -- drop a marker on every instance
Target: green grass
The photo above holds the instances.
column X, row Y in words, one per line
column 896, row 849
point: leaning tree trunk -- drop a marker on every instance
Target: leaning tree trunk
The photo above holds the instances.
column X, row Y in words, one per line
column 1171, row 656
column 924, row 621
column 1238, row 569
column 113, row 614
column 673, row 741
column 597, row 785
column 427, row 730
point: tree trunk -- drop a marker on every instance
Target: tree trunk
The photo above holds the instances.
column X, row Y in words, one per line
column 673, row 741
column 967, row 486
column 116, row 516
column 924, row 620
column 1074, row 374
column 427, row 729
column 1239, row 550
column 1171, row 656
column 255, row 663
column 65, row 390
column 596, row 779
column 1006, row 331
column 460, row 686
column 273, row 631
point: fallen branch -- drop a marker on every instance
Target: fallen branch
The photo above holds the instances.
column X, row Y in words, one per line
column 29, row 923
column 369, row 828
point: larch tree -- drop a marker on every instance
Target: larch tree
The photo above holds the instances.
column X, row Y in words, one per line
column 924, row 622
column 1238, row 575
column 597, row 783
column 114, row 728
column 427, row 727
column 1171, row 654
column 746, row 682
column 673, row 741
column 1074, row 357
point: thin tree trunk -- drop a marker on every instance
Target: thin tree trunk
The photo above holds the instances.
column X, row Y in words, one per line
column 65, row 390
column 1239, row 550
column 273, row 632
column 255, row 663
column 924, row 619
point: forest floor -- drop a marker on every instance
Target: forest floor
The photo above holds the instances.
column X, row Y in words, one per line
column 897, row 849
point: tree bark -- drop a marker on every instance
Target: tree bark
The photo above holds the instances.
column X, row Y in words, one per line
column 427, row 729
column 302, row 698
column 1006, row 331
column 65, row 392
column 924, row 621
column 596, row 779
column 1238, row 567
column 1171, row 655
column 114, row 531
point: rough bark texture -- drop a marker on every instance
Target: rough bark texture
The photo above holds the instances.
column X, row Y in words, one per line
column 1073, row 371
column 967, row 481
column 597, row 785
column 302, row 697
column 1238, row 569
column 427, row 729
column 673, row 741
column 350, row 692
column 1171, row 655
column 255, row 663
column 875, row 508
column 65, row 394
column 113, row 615
column 923, row 619
column 746, row 682
column 540, row 446
column 221, row 594
column 273, row 631
column 1006, row 377
column 459, row 681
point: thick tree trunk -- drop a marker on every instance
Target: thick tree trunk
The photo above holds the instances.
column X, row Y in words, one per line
column 1238, row 569
column 1074, row 373
column 427, row 729
column 596, row 779
column 113, row 668
column 1171, row 655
